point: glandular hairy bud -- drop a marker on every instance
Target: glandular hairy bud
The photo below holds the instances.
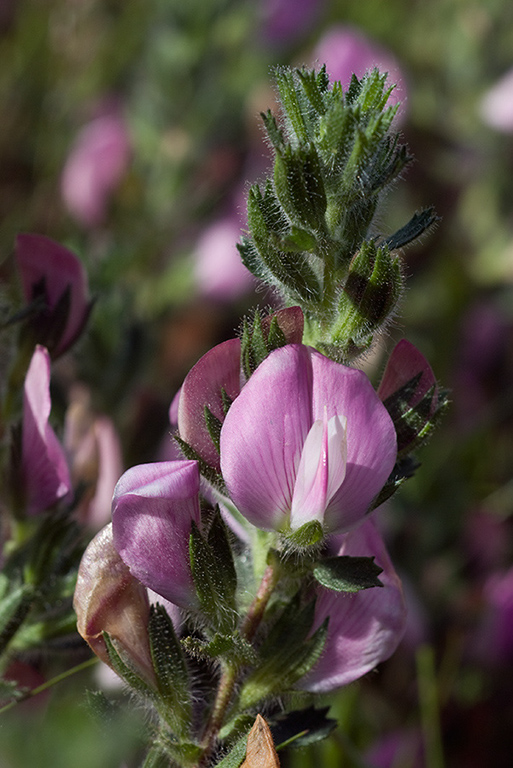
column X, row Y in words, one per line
column 260, row 751
column 109, row 599
column 370, row 295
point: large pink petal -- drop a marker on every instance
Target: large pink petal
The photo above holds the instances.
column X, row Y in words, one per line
column 152, row 513
column 45, row 470
column 263, row 436
column 218, row 369
column 371, row 438
column 364, row 628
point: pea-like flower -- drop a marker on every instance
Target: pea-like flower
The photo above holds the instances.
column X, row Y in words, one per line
column 306, row 440
column 364, row 628
column 152, row 513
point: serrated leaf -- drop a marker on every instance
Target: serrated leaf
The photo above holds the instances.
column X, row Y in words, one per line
column 348, row 574
column 280, row 672
column 300, row 728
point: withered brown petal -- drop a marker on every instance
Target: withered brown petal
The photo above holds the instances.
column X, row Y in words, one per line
column 260, row 751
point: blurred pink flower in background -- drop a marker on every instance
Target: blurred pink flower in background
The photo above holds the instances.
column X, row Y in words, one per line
column 94, row 450
column 95, row 166
column 284, row 21
column 493, row 642
column 496, row 106
column 398, row 748
column 346, row 50
column 219, row 271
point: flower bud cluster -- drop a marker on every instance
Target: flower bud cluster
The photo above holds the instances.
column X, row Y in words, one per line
column 311, row 229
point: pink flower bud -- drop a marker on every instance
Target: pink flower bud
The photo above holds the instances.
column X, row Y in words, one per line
column 109, row 599
column 44, row 468
column 152, row 513
column 54, row 275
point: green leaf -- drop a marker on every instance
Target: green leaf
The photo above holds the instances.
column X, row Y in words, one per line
column 213, row 582
column 417, row 225
column 213, row 426
column 121, row 665
column 348, row 574
column 14, row 609
column 309, row 534
column 236, row 755
column 300, row 728
column 209, row 473
column 170, row 670
column 233, row 648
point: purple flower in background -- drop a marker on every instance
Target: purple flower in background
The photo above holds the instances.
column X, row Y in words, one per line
column 346, row 50
column 283, row 21
column 492, row 643
column 95, row 456
column 364, row 628
column 153, row 508
column 496, row 106
column 94, row 168
column 55, row 276
column 220, row 273
column 399, row 748
column 306, row 440
column 44, row 468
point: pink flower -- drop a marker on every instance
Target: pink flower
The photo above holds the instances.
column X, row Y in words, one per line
column 153, row 508
column 95, row 456
column 286, row 20
column 109, row 599
column 306, row 440
column 95, row 167
column 407, row 366
column 364, row 628
column 220, row 369
column 53, row 274
column 497, row 104
column 220, row 273
column 45, row 471
column 346, row 50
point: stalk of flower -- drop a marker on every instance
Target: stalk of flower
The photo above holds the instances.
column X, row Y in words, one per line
column 296, row 444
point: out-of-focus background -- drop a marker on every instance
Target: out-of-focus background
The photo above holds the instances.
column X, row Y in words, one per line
column 129, row 132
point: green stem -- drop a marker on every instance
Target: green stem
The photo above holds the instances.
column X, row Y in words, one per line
column 49, row 683
column 230, row 672
column 429, row 707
